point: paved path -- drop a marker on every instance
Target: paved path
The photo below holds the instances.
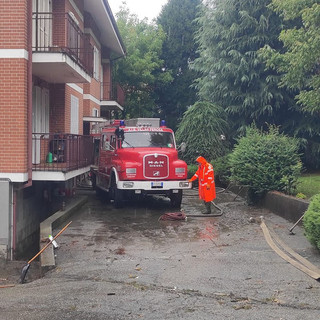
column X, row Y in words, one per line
column 126, row 264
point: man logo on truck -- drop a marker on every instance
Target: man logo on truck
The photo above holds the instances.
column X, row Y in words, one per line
column 154, row 164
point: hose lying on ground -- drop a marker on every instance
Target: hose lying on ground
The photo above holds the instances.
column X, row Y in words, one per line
column 173, row 216
column 288, row 254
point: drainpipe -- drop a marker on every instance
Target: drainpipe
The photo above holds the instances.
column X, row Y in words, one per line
column 29, row 93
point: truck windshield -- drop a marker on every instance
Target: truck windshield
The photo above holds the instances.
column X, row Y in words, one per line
column 148, row 140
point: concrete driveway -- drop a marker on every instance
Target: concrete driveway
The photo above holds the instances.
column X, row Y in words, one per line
column 128, row 264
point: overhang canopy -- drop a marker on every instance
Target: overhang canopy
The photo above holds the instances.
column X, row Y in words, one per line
column 94, row 119
column 102, row 14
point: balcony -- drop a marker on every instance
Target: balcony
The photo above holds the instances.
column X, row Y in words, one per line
column 112, row 97
column 62, row 53
column 59, row 157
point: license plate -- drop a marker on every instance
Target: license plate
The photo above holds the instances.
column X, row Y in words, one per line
column 156, row 184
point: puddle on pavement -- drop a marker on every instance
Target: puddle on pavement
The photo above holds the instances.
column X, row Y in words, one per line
column 142, row 218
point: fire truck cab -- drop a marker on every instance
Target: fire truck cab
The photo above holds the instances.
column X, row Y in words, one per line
column 139, row 157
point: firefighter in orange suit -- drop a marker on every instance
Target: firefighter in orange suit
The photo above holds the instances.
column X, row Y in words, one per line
column 207, row 187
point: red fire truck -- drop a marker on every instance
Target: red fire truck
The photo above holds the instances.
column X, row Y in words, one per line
column 139, row 157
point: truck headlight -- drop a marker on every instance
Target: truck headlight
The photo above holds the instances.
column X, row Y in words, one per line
column 184, row 184
column 128, row 185
column 180, row 171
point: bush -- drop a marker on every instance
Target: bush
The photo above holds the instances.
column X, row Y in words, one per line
column 311, row 221
column 192, row 168
column 222, row 170
column 265, row 161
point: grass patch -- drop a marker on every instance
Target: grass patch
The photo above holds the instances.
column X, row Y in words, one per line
column 309, row 184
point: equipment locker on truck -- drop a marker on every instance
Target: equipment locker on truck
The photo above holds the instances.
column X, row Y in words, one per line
column 139, row 157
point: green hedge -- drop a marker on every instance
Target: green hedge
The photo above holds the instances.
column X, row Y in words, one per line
column 311, row 221
column 222, row 170
column 265, row 161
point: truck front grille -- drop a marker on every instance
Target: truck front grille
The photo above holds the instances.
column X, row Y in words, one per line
column 156, row 166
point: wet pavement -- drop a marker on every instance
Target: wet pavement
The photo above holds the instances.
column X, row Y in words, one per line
column 127, row 264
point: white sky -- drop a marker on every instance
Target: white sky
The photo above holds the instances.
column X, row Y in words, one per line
column 142, row 8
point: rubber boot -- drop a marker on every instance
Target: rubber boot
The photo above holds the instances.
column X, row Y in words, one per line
column 208, row 207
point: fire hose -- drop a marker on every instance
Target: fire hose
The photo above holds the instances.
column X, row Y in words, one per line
column 173, row 216
column 288, row 254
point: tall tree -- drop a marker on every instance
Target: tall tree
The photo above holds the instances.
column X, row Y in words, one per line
column 299, row 64
column 301, row 61
column 232, row 73
column 179, row 48
column 142, row 69
column 203, row 128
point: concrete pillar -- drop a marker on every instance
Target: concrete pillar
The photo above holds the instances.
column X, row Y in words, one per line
column 5, row 218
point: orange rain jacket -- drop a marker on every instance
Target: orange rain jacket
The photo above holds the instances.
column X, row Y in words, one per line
column 205, row 173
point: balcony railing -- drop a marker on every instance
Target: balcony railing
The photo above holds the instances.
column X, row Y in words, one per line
column 61, row 152
column 60, row 33
column 112, row 92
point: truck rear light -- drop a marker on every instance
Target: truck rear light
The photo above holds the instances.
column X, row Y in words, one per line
column 131, row 171
column 180, row 171
column 128, row 185
column 184, row 184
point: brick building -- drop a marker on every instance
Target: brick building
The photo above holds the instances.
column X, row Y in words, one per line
column 55, row 74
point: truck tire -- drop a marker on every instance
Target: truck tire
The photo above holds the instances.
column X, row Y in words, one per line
column 176, row 199
column 116, row 194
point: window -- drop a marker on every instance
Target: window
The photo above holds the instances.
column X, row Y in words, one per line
column 74, row 126
column 148, row 140
column 42, row 27
column 95, row 112
column 105, row 145
column 96, row 63
column 40, row 120
column 108, row 142
column 113, row 141
column 40, row 114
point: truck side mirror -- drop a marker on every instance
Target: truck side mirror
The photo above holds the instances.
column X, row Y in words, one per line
column 182, row 147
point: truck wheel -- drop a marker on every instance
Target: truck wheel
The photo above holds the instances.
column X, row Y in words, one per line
column 176, row 199
column 116, row 194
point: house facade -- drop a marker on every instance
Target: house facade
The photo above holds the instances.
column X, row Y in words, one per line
column 56, row 85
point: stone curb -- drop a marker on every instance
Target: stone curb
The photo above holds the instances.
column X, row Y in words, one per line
column 47, row 258
column 288, row 207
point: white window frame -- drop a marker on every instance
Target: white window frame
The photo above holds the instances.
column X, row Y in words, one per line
column 40, row 120
column 95, row 112
column 40, row 113
column 74, row 116
column 44, row 24
column 96, row 63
